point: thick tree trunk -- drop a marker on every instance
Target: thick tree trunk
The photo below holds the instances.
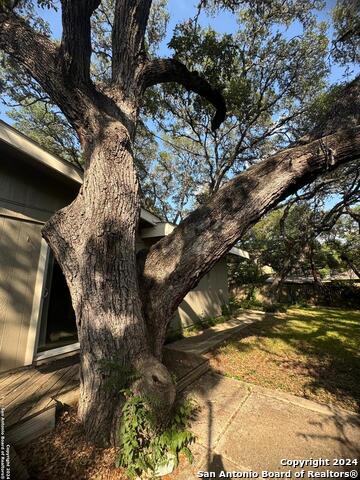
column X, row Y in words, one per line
column 94, row 241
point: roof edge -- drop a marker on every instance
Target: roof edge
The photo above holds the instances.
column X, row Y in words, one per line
column 11, row 136
column 29, row 147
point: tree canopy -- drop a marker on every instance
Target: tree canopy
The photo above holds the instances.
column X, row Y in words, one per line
column 272, row 70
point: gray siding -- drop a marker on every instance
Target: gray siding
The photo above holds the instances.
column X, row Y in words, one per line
column 19, row 255
column 28, row 197
column 30, row 192
column 205, row 300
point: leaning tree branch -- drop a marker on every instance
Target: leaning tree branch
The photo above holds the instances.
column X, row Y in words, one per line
column 39, row 57
column 35, row 52
column 75, row 46
column 209, row 232
column 171, row 70
column 355, row 216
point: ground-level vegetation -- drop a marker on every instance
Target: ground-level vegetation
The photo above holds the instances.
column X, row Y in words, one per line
column 309, row 352
column 338, row 294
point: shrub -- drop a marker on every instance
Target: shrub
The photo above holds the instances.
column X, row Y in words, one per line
column 249, row 303
column 144, row 446
column 231, row 307
column 275, row 307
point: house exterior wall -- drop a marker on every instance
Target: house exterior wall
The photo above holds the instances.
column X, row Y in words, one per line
column 27, row 200
column 19, row 257
column 205, row 300
column 31, row 193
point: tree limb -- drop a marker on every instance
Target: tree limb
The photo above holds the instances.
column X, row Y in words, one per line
column 355, row 216
column 209, row 232
column 175, row 264
column 130, row 21
column 171, row 70
column 76, row 38
column 39, row 57
column 35, row 51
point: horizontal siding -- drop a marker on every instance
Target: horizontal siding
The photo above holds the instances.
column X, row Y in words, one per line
column 30, row 192
column 19, row 255
column 28, row 197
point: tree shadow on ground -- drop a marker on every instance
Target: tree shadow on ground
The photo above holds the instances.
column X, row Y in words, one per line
column 319, row 345
column 341, row 423
column 326, row 432
column 212, row 399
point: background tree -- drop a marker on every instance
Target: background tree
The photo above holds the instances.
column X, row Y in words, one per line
column 268, row 78
column 343, row 242
column 304, row 237
column 346, row 45
column 30, row 107
column 123, row 302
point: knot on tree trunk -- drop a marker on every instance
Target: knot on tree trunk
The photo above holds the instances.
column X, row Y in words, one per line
column 155, row 386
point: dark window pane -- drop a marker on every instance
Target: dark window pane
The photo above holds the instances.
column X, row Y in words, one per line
column 58, row 320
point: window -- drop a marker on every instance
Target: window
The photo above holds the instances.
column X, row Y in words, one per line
column 58, row 324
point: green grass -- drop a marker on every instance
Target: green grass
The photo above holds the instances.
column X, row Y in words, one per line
column 311, row 352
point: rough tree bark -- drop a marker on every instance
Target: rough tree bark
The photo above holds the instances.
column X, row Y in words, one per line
column 350, row 263
column 94, row 241
column 122, row 303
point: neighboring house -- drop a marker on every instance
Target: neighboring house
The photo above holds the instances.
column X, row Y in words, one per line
column 37, row 319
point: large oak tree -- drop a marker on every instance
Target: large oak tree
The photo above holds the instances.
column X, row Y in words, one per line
column 123, row 303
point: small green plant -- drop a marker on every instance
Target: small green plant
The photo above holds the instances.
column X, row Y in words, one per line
column 145, row 447
column 249, row 303
column 230, row 308
column 119, row 377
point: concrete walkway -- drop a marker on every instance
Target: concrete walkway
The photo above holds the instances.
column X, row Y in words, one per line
column 209, row 338
column 243, row 427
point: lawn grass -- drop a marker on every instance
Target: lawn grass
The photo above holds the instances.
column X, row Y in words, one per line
column 310, row 352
